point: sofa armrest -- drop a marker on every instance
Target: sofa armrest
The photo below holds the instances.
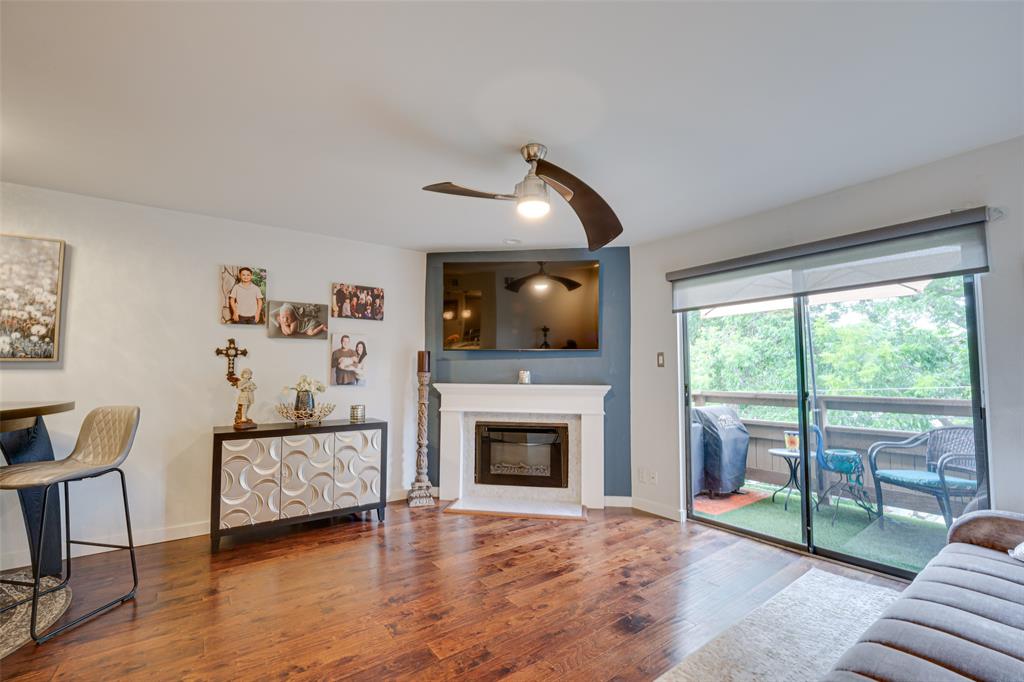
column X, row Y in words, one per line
column 999, row 530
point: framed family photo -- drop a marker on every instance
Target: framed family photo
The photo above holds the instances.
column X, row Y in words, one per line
column 243, row 292
column 349, row 359
column 357, row 302
column 31, row 286
column 291, row 320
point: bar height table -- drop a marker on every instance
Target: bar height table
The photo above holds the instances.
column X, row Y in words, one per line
column 23, row 438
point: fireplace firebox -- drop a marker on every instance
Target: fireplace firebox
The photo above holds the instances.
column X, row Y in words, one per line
column 524, row 454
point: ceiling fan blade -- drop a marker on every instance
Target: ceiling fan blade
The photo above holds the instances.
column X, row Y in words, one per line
column 517, row 284
column 459, row 190
column 558, row 187
column 599, row 220
column 569, row 284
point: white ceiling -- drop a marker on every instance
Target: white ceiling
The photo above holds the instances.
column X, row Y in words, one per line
column 329, row 117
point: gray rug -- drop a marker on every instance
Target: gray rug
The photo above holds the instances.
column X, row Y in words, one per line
column 796, row 635
column 14, row 630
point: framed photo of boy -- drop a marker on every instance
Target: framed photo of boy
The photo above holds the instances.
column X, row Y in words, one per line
column 357, row 302
column 243, row 290
column 349, row 356
column 291, row 320
column 31, row 286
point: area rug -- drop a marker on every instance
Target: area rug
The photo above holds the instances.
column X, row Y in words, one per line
column 14, row 624
column 705, row 504
column 796, row 635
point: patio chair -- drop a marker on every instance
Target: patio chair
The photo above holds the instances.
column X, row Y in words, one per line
column 850, row 468
column 947, row 449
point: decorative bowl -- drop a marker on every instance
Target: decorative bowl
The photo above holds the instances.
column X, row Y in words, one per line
column 305, row 417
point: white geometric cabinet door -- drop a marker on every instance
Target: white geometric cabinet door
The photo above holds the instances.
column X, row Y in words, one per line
column 356, row 468
column 250, row 490
column 307, row 474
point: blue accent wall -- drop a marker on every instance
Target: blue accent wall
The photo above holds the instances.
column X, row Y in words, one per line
column 608, row 365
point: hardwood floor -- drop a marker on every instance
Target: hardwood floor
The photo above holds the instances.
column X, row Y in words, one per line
column 437, row 596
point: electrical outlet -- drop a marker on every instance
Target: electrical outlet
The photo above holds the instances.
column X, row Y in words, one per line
column 661, row 359
column 654, row 477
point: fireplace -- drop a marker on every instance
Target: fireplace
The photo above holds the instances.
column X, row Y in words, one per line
column 523, row 454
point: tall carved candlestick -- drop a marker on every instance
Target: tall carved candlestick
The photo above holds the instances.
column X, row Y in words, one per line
column 419, row 494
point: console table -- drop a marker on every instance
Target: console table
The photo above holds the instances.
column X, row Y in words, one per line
column 280, row 474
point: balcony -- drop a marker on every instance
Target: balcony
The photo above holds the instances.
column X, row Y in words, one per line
column 917, row 529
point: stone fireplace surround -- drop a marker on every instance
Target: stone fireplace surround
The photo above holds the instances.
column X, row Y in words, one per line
column 579, row 406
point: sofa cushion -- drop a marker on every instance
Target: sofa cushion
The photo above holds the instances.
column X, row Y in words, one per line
column 962, row 618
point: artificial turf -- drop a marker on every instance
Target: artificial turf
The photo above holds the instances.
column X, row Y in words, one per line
column 905, row 542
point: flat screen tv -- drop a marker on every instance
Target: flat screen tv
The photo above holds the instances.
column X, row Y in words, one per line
column 525, row 305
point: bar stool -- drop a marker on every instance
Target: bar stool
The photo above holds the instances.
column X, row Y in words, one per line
column 104, row 442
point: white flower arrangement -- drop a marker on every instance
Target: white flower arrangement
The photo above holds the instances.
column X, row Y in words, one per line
column 306, row 384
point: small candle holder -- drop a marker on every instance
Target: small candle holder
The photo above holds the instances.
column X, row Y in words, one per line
column 524, row 376
column 357, row 414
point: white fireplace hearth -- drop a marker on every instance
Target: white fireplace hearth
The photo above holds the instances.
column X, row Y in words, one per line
column 579, row 407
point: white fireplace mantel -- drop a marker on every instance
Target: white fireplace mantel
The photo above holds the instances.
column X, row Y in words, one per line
column 587, row 401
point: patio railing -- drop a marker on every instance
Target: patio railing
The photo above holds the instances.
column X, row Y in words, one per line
column 767, row 434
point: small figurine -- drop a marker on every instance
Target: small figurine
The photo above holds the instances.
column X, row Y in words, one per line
column 246, row 390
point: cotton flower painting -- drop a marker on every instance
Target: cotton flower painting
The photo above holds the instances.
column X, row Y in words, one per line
column 31, row 273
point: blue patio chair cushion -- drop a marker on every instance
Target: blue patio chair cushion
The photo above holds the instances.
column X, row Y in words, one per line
column 924, row 479
column 843, row 461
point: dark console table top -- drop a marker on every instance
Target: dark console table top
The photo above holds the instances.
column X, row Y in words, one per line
column 290, row 429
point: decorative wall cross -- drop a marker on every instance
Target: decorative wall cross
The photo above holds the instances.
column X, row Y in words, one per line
column 231, row 351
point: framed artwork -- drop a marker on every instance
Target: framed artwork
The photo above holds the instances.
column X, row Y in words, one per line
column 291, row 320
column 349, row 360
column 243, row 294
column 31, row 285
column 357, row 302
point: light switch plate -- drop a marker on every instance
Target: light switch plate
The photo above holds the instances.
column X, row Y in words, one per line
column 661, row 359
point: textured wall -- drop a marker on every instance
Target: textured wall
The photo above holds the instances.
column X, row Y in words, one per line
column 609, row 365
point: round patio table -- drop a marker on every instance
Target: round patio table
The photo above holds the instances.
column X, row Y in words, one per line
column 792, row 460
column 23, row 438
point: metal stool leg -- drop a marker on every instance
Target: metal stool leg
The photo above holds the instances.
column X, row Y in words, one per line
column 109, row 605
column 67, row 570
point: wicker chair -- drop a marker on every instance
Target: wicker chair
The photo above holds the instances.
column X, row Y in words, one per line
column 947, row 449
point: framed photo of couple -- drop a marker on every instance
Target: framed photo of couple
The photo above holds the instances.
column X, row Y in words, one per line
column 349, row 360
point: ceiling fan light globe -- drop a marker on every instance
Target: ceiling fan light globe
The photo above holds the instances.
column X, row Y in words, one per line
column 533, row 208
column 541, row 286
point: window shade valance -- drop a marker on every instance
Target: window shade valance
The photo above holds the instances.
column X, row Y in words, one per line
column 945, row 245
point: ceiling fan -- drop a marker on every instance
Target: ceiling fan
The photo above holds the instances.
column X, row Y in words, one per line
column 542, row 279
column 531, row 196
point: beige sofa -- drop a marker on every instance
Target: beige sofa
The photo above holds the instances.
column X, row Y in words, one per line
column 961, row 618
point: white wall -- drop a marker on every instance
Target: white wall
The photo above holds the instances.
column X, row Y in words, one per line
column 141, row 323
column 991, row 176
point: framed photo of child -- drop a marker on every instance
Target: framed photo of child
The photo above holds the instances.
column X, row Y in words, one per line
column 243, row 291
column 349, row 360
column 291, row 320
column 357, row 302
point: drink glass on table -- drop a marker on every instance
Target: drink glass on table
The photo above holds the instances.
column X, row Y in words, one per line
column 791, row 439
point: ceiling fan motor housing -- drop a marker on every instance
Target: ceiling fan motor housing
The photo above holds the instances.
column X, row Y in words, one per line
column 533, row 188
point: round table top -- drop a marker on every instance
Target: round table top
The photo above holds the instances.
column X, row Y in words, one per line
column 21, row 414
column 784, row 452
column 36, row 408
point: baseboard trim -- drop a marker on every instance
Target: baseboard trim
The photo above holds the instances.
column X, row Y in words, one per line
column 658, row 509
column 19, row 557
column 618, row 501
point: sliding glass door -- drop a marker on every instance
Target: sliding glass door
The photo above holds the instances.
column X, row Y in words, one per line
column 895, row 447
column 743, row 385
column 866, row 398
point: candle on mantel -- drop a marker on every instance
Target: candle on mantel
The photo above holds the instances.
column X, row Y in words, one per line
column 423, row 361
